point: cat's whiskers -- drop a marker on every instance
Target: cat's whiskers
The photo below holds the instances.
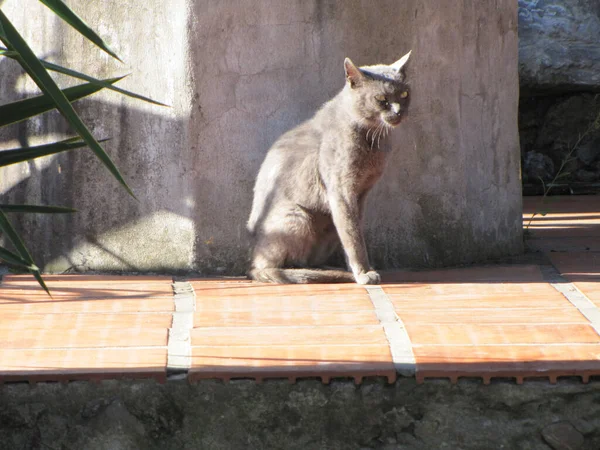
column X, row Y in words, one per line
column 373, row 137
column 375, row 133
column 383, row 127
column 368, row 131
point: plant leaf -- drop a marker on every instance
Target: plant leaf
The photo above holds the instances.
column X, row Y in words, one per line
column 38, row 209
column 66, row 14
column 83, row 76
column 8, row 53
column 15, row 260
column 97, row 82
column 32, row 65
column 14, row 238
column 24, row 109
column 17, row 155
column 38, row 276
column 16, row 241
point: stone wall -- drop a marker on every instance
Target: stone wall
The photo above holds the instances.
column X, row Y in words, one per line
column 237, row 75
column 558, row 45
column 306, row 415
column 559, row 118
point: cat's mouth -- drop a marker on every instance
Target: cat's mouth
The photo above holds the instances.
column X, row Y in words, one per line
column 394, row 121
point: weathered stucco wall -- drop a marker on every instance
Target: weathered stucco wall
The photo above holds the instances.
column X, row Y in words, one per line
column 237, row 75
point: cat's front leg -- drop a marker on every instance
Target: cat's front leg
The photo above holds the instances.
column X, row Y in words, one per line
column 346, row 218
column 370, row 277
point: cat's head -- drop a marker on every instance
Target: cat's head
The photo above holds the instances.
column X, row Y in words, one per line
column 379, row 94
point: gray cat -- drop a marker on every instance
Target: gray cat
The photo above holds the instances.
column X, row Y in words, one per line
column 311, row 188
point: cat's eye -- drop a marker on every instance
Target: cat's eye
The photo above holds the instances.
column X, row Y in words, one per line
column 381, row 99
column 404, row 94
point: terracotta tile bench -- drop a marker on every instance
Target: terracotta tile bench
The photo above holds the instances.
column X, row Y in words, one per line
column 518, row 320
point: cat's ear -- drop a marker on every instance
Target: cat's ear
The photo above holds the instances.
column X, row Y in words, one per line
column 399, row 65
column 353, row 74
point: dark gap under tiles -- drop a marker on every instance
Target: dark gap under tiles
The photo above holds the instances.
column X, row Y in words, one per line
column 470, row 380
column 17, row 382
column 570, row 379
column 536, row 379
column 503, row 380
column 434, row 379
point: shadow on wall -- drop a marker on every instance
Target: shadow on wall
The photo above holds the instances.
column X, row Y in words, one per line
column 191, row 192
column 111, row 231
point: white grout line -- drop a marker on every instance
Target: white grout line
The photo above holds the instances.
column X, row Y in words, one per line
column 574, row 295
column 397, row 336
column 179, row 347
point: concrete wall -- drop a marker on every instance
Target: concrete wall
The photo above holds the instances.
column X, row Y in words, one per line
column 237, row 75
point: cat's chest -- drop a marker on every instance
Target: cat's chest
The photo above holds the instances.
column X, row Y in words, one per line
column 368, row 168
column 354, row 166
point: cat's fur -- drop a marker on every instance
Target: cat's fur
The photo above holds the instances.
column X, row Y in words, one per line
column 310, row 192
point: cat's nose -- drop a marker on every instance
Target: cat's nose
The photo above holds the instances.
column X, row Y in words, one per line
column 396, row 108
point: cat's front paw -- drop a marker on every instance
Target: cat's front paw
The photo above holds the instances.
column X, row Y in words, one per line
column 370, row 277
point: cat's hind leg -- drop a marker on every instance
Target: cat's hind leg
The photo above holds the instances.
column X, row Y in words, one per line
column 284, row 247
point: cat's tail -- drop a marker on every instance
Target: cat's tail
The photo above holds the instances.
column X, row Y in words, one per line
column 301, row 276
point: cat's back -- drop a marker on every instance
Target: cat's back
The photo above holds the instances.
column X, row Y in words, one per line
column 306, row 137
column 300, row 140
column 289, row 172
column 292, row 154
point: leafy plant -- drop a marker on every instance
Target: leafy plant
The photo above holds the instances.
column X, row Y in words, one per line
column 560, row 173
column 16, row 48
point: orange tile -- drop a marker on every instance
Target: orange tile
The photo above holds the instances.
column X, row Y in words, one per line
column 78, row 338
column 495, row 273
column 564, row 244
column 558, row 229
column 26, row 304
column 591, row 291
column 493, row 315
column 262, row 318
column 568, row 224
column 577, row 266
column 477, row 334
column 482, row 358
column 484, row 302
column 288, row 336
column 87, row 279
column 566, row 204
column 477, row 297
column 582, row 269
column 66, row 364
column 23, row 321
column 262, row 302
column 464, row 289
column 219, row 280
column 292, row 362
column 87, row 291
column 233, row 290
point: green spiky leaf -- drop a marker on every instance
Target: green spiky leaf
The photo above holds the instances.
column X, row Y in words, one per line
column 82, row 76
column 17, row 155
column 37, row 209
column 35, row 69
column 20, row 110
column 15, row 240
column 15, row 260
column 66, row 14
